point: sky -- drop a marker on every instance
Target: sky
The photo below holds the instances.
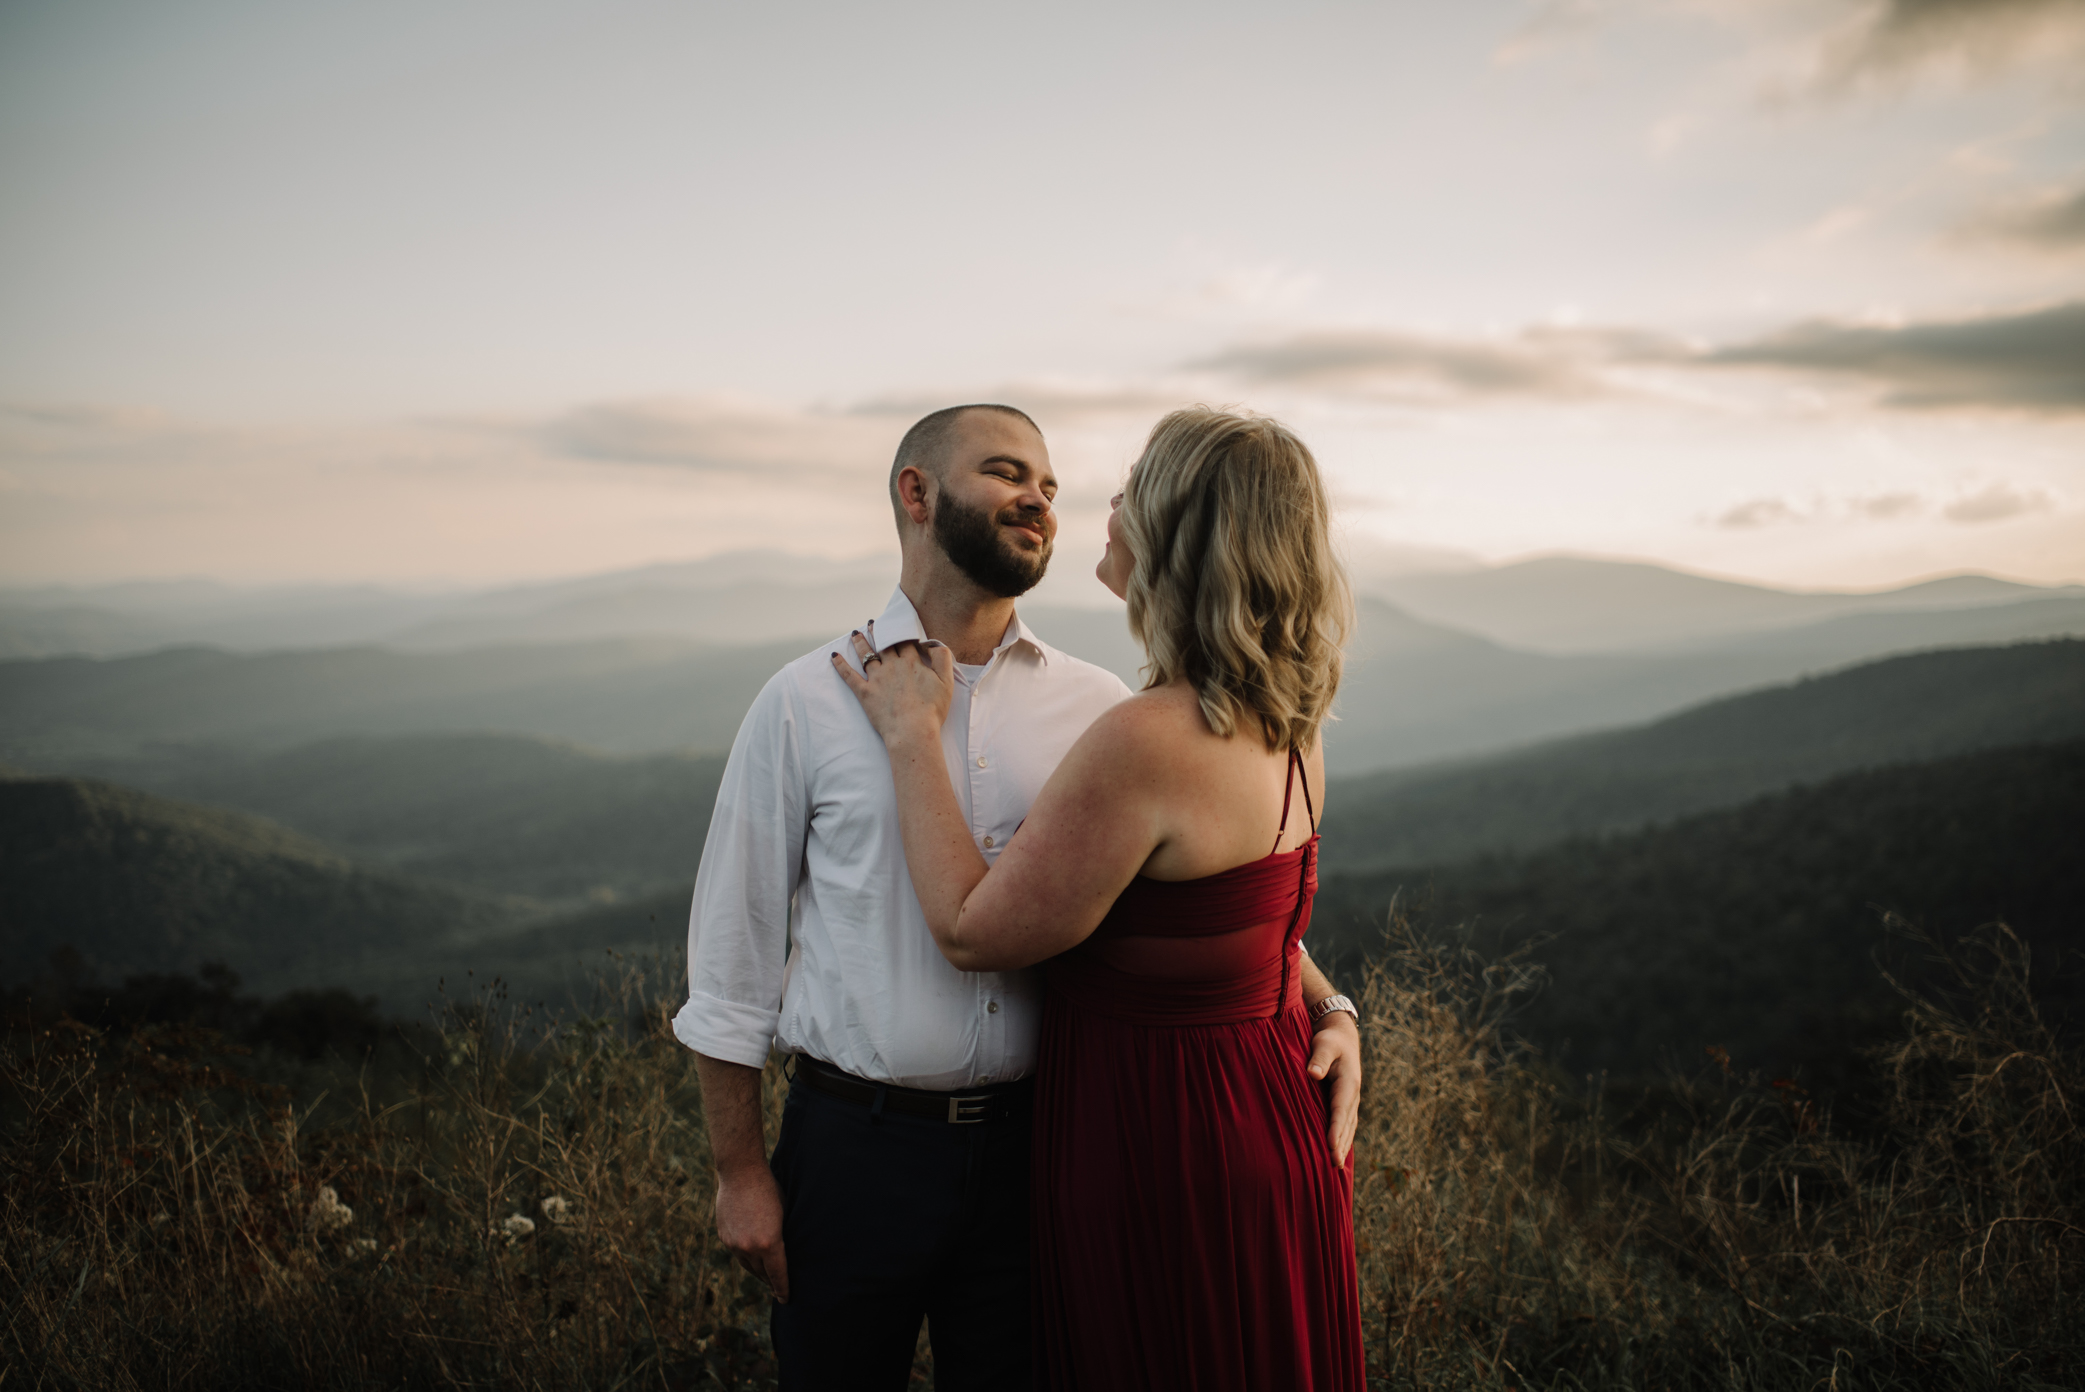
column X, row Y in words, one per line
column 459, row 294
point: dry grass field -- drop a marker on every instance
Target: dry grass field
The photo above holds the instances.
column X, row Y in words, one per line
column 504, row 1201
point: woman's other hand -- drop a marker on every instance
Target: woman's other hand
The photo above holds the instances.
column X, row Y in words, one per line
column 905, row 689
column 1335, row 1057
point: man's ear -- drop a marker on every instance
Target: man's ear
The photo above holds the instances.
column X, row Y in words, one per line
column 915, row 494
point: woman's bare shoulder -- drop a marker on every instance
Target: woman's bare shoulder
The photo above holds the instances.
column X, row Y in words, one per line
column 1155, row 725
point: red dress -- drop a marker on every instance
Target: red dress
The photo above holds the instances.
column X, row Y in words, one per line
column 1191, row 1229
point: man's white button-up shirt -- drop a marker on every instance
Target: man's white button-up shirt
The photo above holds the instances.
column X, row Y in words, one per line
column 805, row 931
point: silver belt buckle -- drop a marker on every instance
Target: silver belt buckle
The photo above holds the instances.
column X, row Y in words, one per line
column 967, row 1111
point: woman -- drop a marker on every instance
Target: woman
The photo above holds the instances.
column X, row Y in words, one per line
column 1193, row 1224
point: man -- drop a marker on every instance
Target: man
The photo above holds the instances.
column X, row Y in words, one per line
column 899, row 1188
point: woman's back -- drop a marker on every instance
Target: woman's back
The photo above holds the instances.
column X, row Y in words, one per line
column 1190, row 1220
column 1223, row 801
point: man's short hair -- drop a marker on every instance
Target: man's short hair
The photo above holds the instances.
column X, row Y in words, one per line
column 925, row 446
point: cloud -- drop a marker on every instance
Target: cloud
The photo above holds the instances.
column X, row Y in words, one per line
column 1894, row 41
column 1772, row 511
column 718, row 435
column 1550, row 25
column 2032, row 361
column 1050, row 403
column 1760, row 512
column 1541, row 363
column 2050, row 221
column 87, row 433
column 1802, row 50
column 1997, row 503
column 98, row 494
column 1886, row 507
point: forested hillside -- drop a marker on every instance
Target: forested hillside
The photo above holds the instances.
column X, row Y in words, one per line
column 135, row 883
column 1899, row 710
column 501, row 813
column 1754, row 928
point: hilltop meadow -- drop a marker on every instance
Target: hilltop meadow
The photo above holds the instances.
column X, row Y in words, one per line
column 208, row 1191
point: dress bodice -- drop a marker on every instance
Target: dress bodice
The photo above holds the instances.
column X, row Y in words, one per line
column 1203, row 951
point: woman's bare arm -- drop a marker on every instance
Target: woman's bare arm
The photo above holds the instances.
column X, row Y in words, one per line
column 1090, row 830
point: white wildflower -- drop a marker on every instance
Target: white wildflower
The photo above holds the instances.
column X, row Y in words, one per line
column 557, row 1210
column 516, row 1226
column 329, row 1212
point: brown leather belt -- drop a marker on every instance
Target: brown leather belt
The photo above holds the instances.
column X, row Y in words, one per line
column 966, row 1108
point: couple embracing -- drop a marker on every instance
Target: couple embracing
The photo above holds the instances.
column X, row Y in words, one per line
column 1065, row 1084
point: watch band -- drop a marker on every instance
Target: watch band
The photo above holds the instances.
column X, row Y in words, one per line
column 1331, row 1003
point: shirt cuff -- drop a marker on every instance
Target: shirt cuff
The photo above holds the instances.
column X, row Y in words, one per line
column 726, row 1030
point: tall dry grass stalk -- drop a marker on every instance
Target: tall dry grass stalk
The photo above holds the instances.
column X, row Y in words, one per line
column 527, row 1205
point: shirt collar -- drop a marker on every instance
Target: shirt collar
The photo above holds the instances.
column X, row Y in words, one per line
column 899, row 623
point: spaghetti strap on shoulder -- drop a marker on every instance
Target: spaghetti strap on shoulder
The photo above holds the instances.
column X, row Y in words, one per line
column 1296, row 770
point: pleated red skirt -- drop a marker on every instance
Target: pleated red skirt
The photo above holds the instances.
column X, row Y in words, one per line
column 1190, row 1227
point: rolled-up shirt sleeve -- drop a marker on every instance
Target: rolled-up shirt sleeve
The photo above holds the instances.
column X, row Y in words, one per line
column 738, row 926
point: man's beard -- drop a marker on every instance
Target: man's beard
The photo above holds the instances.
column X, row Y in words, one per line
column 971, row 537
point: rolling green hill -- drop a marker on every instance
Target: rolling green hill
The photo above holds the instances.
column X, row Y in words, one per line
column 562, row 961
column 1753, row 927
column 1898, row 710
column 499, row 813
column 136, row 883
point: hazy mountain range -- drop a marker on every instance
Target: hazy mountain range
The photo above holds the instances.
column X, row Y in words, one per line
column 366, row 789
column 1556, row 605
column 743, row 597
column 1898, row 710
column 667, row 658
column 1569, row 605
column 384, row 864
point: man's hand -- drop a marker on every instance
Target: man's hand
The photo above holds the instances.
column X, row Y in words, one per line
column 749, row 1202
column 749, row 1224
column 1336, row 1055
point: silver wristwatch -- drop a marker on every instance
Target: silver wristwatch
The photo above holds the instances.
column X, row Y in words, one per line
column 1331, row 1003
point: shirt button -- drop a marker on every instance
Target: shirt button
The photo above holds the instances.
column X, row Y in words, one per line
column 992, row 1007
column 988, row 843
column 980, row 761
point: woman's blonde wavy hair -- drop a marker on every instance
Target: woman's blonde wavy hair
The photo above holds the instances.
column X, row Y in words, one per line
column 1234, row 585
